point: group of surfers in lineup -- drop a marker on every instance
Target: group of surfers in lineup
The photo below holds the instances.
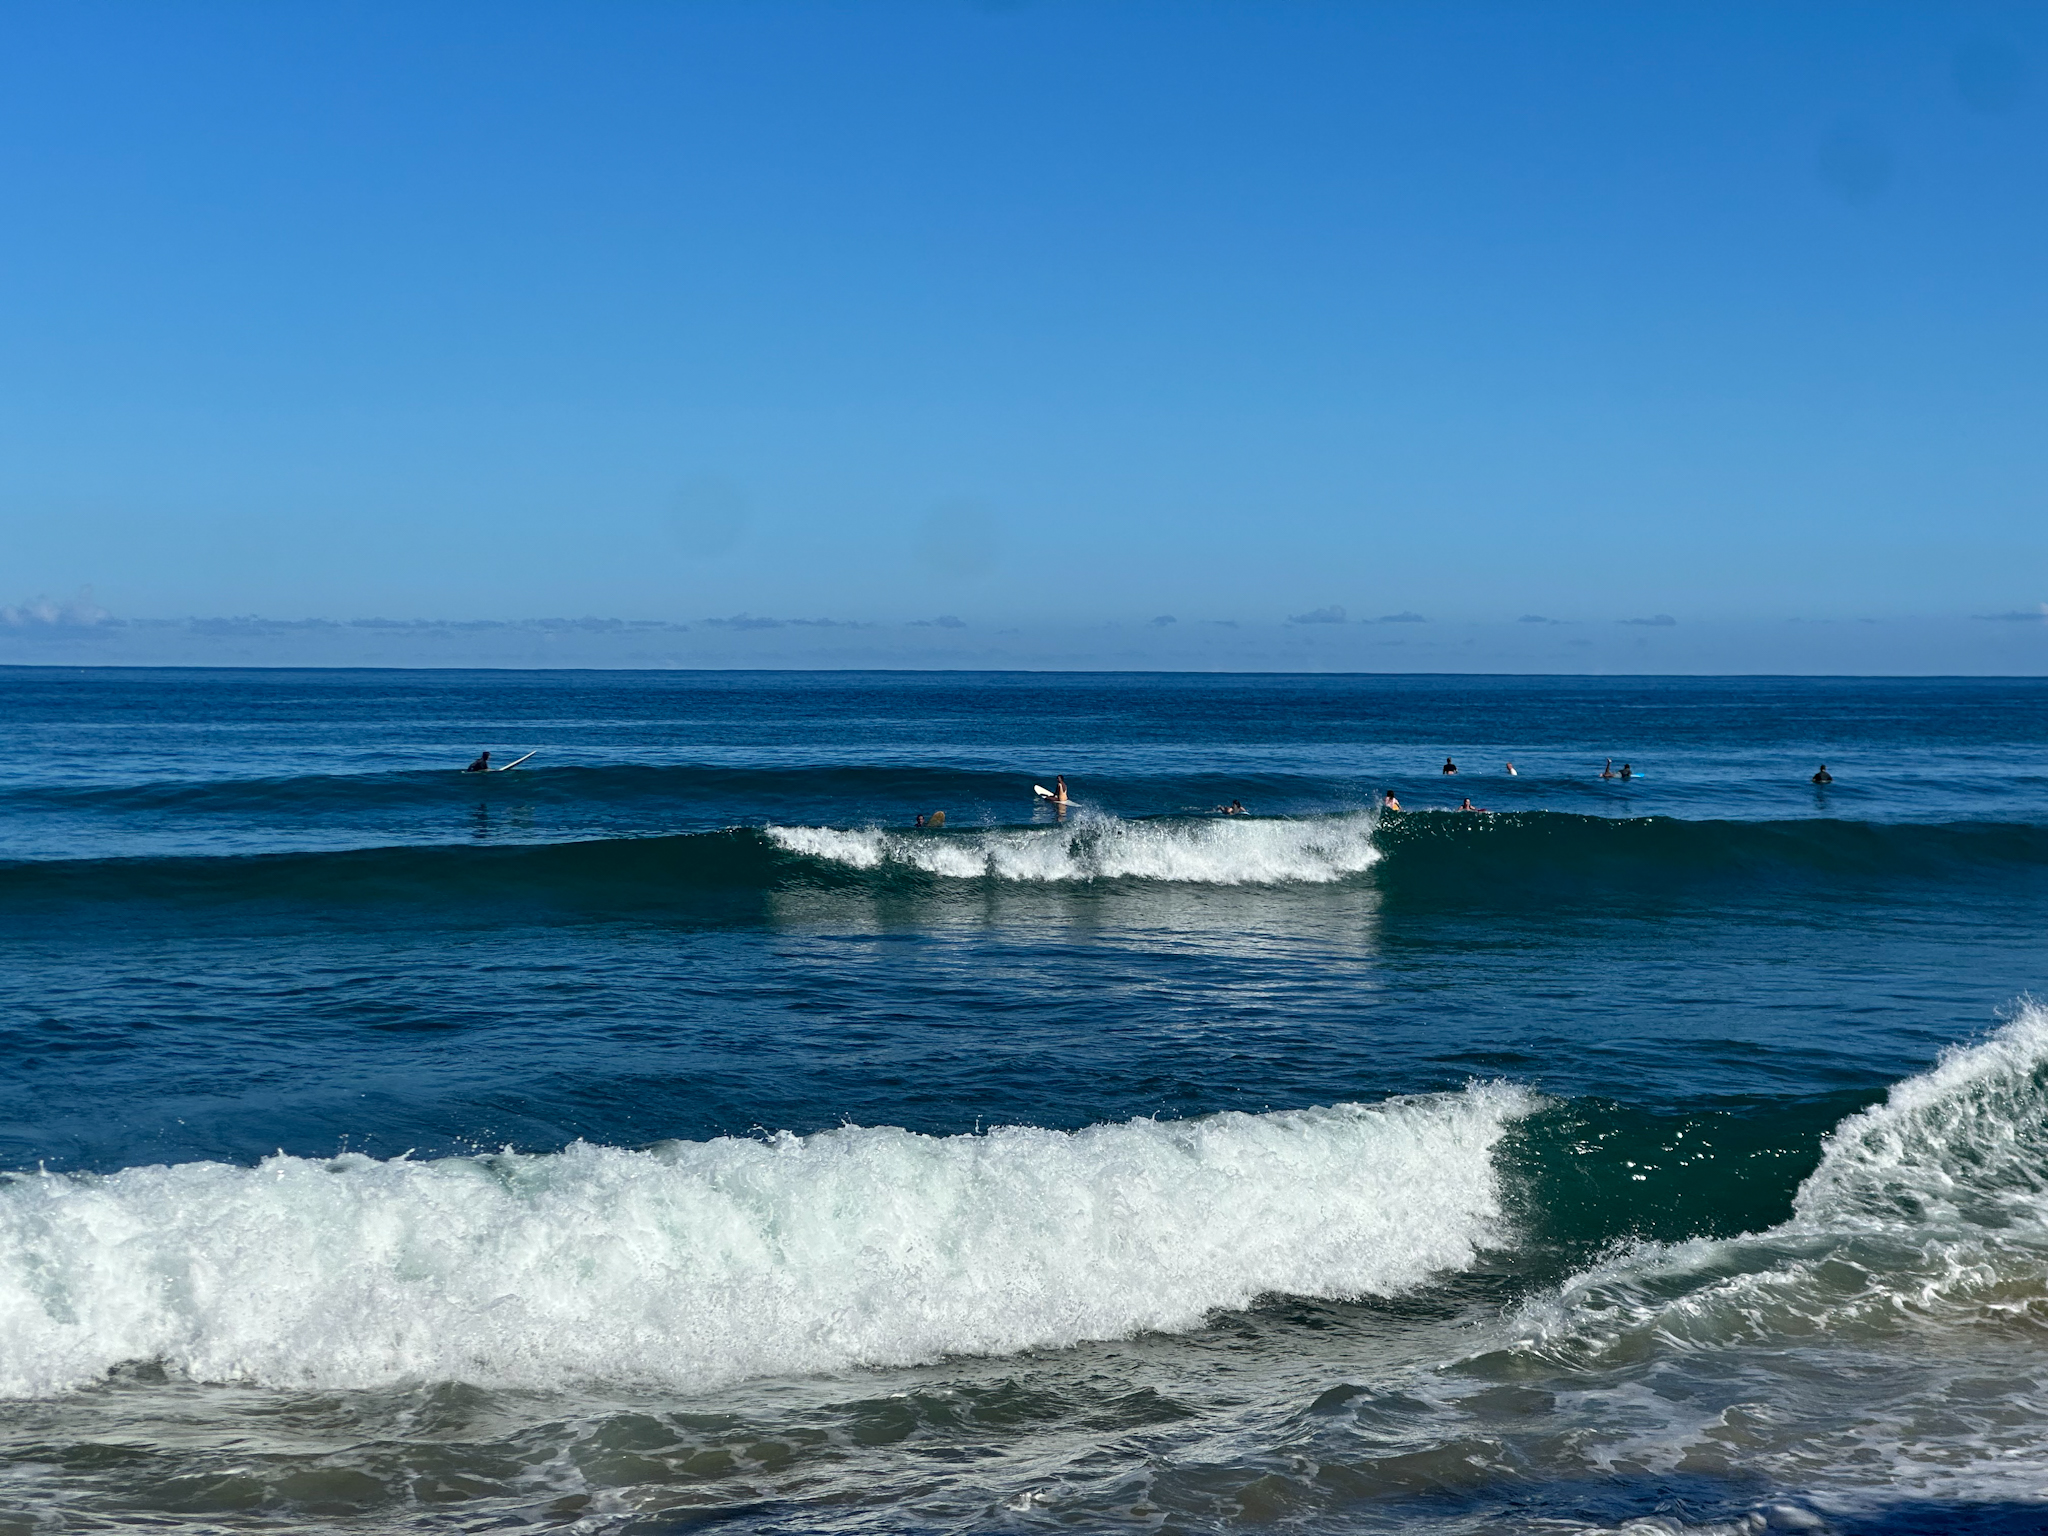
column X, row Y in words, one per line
column 1056, row 797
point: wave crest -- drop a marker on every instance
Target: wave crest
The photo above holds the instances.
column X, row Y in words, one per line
column 1234, row 851
column 1928, row 1210
column 693, row 1264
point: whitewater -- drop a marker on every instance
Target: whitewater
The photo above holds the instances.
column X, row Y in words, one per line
column 1222, row 851
column 693, row 1265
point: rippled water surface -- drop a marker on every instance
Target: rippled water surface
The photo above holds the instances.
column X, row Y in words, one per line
column 669, row 1130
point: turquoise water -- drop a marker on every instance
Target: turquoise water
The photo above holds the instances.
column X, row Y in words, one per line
column 669, row 1131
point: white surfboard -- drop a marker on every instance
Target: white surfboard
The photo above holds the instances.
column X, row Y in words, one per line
column 502, row 767
column 1043, row 793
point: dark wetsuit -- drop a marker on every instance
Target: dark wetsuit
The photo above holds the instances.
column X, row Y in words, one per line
column 481, row 765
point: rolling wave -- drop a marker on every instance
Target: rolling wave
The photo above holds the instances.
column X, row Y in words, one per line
column 1439, row 857
column 693, row 1264
column 1927, row 1211
column 342, row 794
column 1237, row 851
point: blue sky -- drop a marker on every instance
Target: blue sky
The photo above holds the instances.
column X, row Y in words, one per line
column 1046, row 316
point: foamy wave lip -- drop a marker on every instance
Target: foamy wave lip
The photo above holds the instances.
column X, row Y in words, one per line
column 694, row 1264
column 1234, row 851
column 1928, row 1210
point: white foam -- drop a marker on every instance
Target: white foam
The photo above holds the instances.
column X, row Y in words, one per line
column 1927, row 1212
column 1962, row 1145
column 694, row 1264
column 1226, row 851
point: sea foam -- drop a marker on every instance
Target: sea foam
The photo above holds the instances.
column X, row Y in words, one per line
column 694, row 1264
column 1927, row 1211
column 1225, row 851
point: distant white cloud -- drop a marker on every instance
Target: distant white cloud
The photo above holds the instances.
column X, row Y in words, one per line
column 1402, row 618
column 1659, row 621
column 1163, row 620
column 753, row 621
column 1536, row 618
column 1334, row 614
column 41, row 612
column 943, row 621
column 2037, row 615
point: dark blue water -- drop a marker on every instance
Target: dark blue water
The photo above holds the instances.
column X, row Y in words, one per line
column 669, row 1129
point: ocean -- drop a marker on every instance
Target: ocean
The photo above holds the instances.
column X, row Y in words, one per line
column 669, row 1133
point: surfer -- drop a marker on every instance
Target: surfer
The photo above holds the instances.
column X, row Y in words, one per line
column 1511, row 772
column 481, row 765
column 1467, row 805
column 1608, row 771
column 1449, row 766
column 1235, row 808
column 1626, row 772
column 1057, row 796
column 1823, row 777
column 1388, row 802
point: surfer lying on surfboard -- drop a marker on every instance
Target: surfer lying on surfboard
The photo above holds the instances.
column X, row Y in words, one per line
column 1057, row 795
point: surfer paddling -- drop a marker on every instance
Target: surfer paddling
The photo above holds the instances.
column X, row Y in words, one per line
column 483, row 763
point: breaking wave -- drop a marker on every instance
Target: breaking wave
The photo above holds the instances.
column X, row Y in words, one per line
column 1927, row 1211
column 1236, row 851
column 691, row 1264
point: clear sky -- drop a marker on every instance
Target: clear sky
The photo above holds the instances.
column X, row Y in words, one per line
column 1043, row 315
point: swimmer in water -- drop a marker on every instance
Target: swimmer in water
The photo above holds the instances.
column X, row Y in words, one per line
column 1449, row 766
column 481, row 765
column 1388, row 802
column 1608, row 771
column 1469, row 806
column 1511, row 772
column 1823, row 777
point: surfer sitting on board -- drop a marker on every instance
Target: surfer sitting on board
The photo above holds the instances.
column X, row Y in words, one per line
column 1449, row 766
column 481, row 765
column 1823, row 777
column 1057, row 795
